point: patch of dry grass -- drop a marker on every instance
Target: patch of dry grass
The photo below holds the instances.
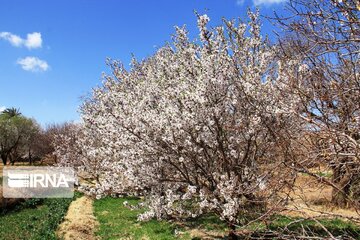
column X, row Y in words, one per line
column 312, row 199
column 1, row 169
column 79, row 222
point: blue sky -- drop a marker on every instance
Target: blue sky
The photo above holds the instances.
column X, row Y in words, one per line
column 53, row 52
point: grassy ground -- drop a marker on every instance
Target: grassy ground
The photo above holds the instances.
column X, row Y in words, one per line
column 313, row 228
column 34, row 219
column 120, row 222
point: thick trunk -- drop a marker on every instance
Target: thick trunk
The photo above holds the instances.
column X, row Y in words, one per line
column 343, row 179
column 4, row 158
column 339, row 198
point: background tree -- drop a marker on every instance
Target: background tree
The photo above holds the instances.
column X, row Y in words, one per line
column 324, row 37
column 16, row 135
column 12, row 112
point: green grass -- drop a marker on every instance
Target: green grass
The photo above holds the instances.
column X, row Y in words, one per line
column 209, row 222
column 119, row 222
column 288, row 225
column 34, row 219
column 325, row 174
column 337, row 227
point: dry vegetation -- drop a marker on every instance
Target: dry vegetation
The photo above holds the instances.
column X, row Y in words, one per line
column 79, row 222
column 312, row 199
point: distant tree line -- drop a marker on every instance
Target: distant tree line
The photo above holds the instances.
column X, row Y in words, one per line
column 22, row 139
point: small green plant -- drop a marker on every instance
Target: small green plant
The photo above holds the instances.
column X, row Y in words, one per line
column 30, row 203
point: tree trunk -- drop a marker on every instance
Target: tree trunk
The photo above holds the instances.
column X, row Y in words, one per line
column 4, row 158
column 30, row 158
column 12, row 161
column 343, row 181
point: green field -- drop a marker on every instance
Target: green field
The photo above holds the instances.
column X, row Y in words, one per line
column 39, row 219
column 34, row 219
column 314, row 228
column 120, row 222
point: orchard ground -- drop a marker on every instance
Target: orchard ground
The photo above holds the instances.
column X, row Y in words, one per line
column 116, row 218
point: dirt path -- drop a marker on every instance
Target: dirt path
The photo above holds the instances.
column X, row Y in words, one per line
column 80, row 222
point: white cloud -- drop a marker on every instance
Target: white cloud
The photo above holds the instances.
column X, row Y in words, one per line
column 11, row 38
column 33, row 64
column 2, row 108
column 33, row 40
column 240, row 2
column 267, row 2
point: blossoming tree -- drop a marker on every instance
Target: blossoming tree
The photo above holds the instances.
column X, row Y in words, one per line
column 200, row 126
